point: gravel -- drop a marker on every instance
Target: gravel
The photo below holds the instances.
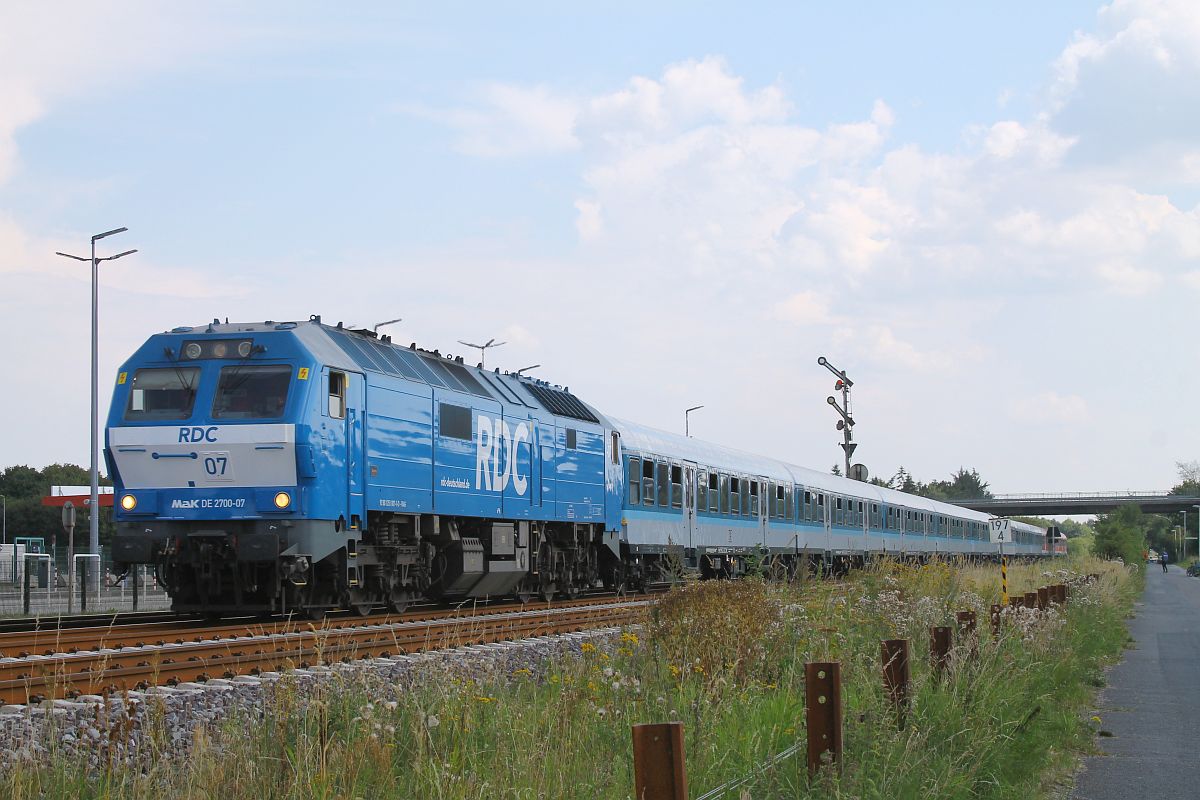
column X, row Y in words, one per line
column 138, row 728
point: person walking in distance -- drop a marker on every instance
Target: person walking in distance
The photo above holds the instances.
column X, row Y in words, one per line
column 1164, row 560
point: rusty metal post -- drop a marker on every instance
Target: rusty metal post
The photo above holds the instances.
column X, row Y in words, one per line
column 996, row 612
column 1031, row 599
column 941, row 638
column 1017, row 602
column 1060, row 591
column 823, row 713
column 659, row 772
column 1043, row 598
column 896, row 674
column 966, row 632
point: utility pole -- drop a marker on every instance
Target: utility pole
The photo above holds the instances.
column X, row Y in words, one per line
column 846, row 423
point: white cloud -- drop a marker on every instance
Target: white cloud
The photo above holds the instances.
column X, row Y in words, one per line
column 590, row 222
column 805, row 308
column 1051, row 407
column 1126, row 279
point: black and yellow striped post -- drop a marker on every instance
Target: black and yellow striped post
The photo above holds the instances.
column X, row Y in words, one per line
column 1004, row 578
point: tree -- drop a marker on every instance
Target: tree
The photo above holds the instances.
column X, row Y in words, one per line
column 963, row 485
column 837, row 469
column 1121, row 534
column 1189, row 478
column 24, row 487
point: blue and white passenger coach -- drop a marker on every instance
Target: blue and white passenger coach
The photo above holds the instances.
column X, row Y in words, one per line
column 265, row 467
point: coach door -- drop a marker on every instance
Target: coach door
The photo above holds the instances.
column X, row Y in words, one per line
column 689, row 503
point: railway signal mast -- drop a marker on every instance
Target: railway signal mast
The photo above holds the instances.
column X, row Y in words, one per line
column 846, row 424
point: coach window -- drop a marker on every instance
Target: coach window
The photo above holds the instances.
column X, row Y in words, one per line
column 788, row 510
column 724, row 494
column 701, row 490
column 454, row 421
column 664, row 485
column 807, row 506
column 744, row 485
column 676, row 486
column 820, row 510
column 635, row 480
column 780, row 508
column 735, row 503
column 647, row 482
column 162, row 393
column 754, row 498
column 616, row 446
column 572, row 437
column 337, row 395
column 714, row 492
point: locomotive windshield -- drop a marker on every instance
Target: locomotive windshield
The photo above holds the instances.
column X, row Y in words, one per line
column 162, row 394
column 257, row 392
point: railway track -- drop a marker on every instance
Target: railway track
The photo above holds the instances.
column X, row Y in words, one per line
column 225, row 651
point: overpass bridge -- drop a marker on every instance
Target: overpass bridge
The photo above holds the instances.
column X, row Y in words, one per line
column 1062, row 503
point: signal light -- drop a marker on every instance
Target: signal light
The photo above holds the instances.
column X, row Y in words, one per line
column 839, row 385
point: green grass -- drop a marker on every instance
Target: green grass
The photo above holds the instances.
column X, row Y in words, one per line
column 726, row 659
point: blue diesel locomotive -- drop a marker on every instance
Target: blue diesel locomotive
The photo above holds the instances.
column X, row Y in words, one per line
column 271, row 467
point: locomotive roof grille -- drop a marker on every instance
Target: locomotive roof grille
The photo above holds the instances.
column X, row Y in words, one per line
column 559, row 402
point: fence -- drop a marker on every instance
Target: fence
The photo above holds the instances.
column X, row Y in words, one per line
column 37, row 585
column 659, row 766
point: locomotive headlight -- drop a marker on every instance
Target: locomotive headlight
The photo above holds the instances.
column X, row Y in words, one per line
column 283, row 500
column 192, row 350
column 219, row 350
column 244, row 349
column 129, row 502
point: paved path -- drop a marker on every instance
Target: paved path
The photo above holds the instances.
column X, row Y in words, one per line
column 1152, row 701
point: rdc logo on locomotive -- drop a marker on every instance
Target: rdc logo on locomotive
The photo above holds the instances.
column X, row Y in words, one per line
column 493, row 437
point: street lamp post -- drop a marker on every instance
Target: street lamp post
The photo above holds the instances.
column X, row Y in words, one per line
column 1197, row 507
column 687, row 430
column 94, row 501
column 1183, row 545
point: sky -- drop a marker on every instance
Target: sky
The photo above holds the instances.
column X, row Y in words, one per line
column 988, row 214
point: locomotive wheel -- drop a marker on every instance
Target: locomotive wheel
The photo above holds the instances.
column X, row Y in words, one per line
column 360, row 602
column 399, row 601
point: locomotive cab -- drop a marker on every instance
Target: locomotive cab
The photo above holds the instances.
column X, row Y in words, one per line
column 203, row 443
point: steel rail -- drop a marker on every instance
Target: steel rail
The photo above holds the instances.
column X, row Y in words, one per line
column 22, row 644
column 37, row 678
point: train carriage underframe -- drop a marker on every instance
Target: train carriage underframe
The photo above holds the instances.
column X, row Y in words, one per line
column 399, row 559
